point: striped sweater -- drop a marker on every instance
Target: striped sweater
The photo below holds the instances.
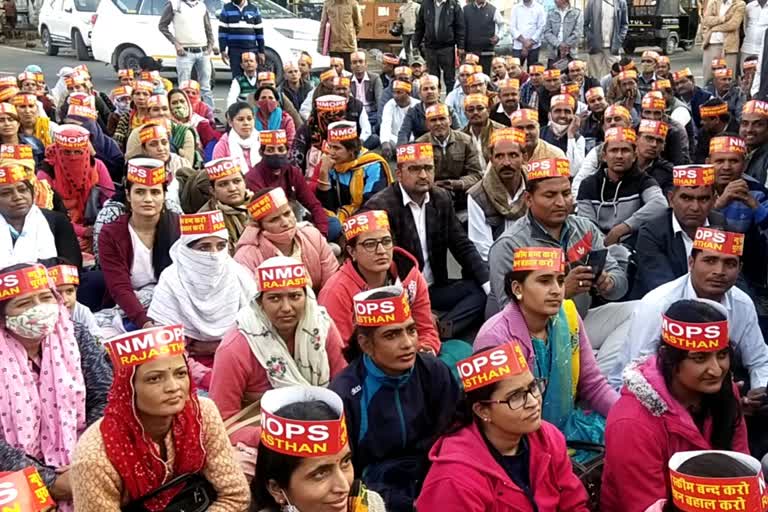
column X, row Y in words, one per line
column 241, row 27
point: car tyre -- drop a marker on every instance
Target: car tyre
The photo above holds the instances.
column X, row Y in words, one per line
column 50, row 48
column 128, row 58
column 80, row 47
column 274, row 63
column 670, row 45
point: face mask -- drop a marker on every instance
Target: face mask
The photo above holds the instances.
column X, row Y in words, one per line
column 35, row 323
column 180, row 111
column 647, row 68
column 276, row 161
column 283, row 238
column 558, row 129
column 267, row 105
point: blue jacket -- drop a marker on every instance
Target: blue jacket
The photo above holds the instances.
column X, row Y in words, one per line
column 593, row 26
column 700, row 96
column 392, row 423
column 241, row 28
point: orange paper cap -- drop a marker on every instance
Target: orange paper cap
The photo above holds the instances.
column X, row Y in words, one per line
column 515, row 135
column 143, row 85
column 204, row 223
column 152, row 132
column 125, row 73
column 539, row 258
column 750, row 65
column 299, row 438
column 524, row 115
column 27, row 76
column 390, row 59
column 40, row 77
column 723, row 73
column 472, row 58
column 24, row 99
column 618, row 134
column 727, row 144
column 305, row 58
column 337, row 61
column 629, row 74
column 25, row 491
column 8, row 81
column 694, row 337
column 715, row 240
column 548, row 168
column 222, row 168
column 512, row 61
column 661, row 84
column 492, row 365
column 683, row 73
column 571, row 88
column 535, row 69
column 328, row 74
column 7, row 108
column 403, row 70
column 576, row 64
column 342, row 81
column 429, row 79
column 265, row 76
column 28, row 279
column 551, row 74
column 663, row 59
column 139, row 347
column 193, row 85
column 650, row 54
column 120, row 91
column 13, row 173
column 82, row 105
column 16, row 152
column 358, row 55
column 64, row 274
column 75, row 79
column 713, row 110
column 467, row 69
column 149, row 76
column 628, row 66
column 700, row 494
column 399, row 85
column 71, row 136
column 378, row 312
column 273, row 137
column 697, row 175
column 157, row 100
column 477, row 78
column 718, row 63
column 363, row 222
column 416, row 152
column 508, row 83
column 755, row 107
column 341, row 131
column 658, row 128
column 594, row 92
column 281, row 273
column 331, row 103
column 562, row 100
column 248, row 55
column 653, row 102
column 268, row 203
column 437, row 110
column 6, row 93
column 476, row 99
column 146, row 171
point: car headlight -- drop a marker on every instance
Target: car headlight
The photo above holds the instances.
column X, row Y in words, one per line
column 296, row 35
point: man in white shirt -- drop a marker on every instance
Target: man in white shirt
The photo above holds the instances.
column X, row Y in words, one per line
column 455, row 98
column 365, row 87
column 393, row 116
column 526, row 25
column 755, row 25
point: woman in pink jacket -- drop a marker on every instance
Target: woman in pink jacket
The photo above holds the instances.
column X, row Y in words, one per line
column 274, row 232
column 500, row 456
column 677, row 400
column 374, row 261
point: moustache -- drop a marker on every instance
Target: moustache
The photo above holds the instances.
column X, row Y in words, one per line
column 506, row 168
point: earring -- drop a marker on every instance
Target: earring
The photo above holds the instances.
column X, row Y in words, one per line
column 487, row 420
column 519, row 296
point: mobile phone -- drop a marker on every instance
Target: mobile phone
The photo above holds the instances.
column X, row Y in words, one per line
column 596, row 260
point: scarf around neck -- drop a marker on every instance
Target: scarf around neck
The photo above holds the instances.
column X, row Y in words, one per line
column 238, row 145
column 35, row 242
column 499, row 196
column 75, row 177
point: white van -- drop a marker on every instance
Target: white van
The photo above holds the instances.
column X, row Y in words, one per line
column 67, row 24
column 126, row 30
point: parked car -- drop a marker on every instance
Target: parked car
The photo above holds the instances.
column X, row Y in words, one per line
column 127, row 31
column 67, row 24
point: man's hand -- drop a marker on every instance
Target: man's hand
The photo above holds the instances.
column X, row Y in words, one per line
column 216, row 50
column 578, row 281
column 61, row 490
column 225, row 57
column 262, row 59
column 180, row 51
column 605, row 283
column 737, row 190
column 753, row 402
column 461, row 55
column 494, row 40
column 574, row 127
column 454, row 185
column 564, row 50
column 616, row 233
column 387, row 150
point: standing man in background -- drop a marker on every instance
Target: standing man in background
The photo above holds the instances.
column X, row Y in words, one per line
column 193, row 41
column 440, row 28
column 407, row 16
column 720, row 33
column 240, row 31
column 527, row 27
column 606, row 23
column 562, row 30
column 484, row 26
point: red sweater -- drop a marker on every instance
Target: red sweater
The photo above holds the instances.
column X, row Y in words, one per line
column 336, row 295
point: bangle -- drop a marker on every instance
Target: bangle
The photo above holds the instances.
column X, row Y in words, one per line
column 322, row 182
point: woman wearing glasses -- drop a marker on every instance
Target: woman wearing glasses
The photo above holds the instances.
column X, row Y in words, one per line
column 499, row 455
column 554, row 343
column 373, row 261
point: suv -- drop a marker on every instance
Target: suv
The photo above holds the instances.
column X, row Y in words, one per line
column 127, row 31
column 67, row 24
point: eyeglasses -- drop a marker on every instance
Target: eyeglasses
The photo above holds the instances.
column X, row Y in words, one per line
column 472, row 110
column 519, row 398
column 372, row 244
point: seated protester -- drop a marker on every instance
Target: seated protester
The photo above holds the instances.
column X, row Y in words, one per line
column 366, row 87
column 529, row 91
column 203, row 289
column 66, row 279
column 27, row 232
column 402, row 74
column 499, row 452
column 154, row 142
column 294, row 87
column 374, row 261
column 356, row 112
column 274, row 232
column 675, row 108
column 651, row 140
column 480, row 128
column 126, row 77
column 636, row 197
column 131, row 453
column 306, row 151
column 535, row 148
column 754, row 130
column 182, row 113
column 285, row 471
column 245, row 83
column 714, row 265
column 577, row 73
column 572, row 89
column 269, row 116
column 28, row 84
column 393, row 115
column 82, row 181
column 324, row 88
column 499, row 69
column 241, row 142
column 80, row 82
column 690, row 93
column 33, row 125
column 509, row 101
column 677, row 148
column 283, row 338
column 149, row 71
column 676, row 400
column 454, row 100
column 496, row 202
column 662, row 68
column 11, row 132
column 134, row 249
column 592, row 124
column 665, row 242
column 715, row 122
column 550, row 86
column 562, row 131
column 628, row 93
column 348, row 175
column 396, row 400
column 424, row 223
column 121, row 99
column 199, row 107
column 137, row 116
column 183, row 138
column 41, row 420
column 546, row 326
column 22, row 155
column 725, row 88
column 456, row 158
column 415, row 121
column 647, row 76
column 275, row 170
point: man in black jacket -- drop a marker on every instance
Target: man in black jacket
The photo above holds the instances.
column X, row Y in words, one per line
column 715, row 121
column 440, row 29
column 424, row 223
column 664, row 243
column 754, row 130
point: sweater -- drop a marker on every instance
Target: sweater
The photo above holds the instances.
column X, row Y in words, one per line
column 439, row 28
column 97, row 487
column 480, row 26
column 240, row 26
column 336, row 296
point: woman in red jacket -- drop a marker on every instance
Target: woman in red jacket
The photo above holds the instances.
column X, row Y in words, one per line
column 373, row 261
column 500, row 456
column 678, row 400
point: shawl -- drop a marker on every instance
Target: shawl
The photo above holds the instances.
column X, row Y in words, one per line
column 236, row 218
column 35, row 242
column 273, row 122
column 237, row 145
column 499, row 197
column 75, row 177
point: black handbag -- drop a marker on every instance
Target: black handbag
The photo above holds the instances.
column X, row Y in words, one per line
column 396, row 30
column 590, row 473
column 197, row 495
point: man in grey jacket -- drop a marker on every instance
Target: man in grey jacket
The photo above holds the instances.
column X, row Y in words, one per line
column 562, row 31
column 605, row 23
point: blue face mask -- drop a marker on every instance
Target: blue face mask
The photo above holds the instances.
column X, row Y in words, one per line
column 276, row 161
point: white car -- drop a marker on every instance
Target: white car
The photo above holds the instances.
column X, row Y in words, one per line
column 67, row 24
column 126, row 31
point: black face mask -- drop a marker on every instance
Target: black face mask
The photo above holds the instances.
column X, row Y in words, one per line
column 276, row 161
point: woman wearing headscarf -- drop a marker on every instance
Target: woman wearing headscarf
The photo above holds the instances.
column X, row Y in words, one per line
column 203, row 289
column 306, row 150
column 242, row 139
column 41, row 419
column 10, row 126
column 283, row 338
column 38, row 126
column 182, row 113
column 269, row 115
column 192, row 90
column 137, row 116
column 154, row 430
column 229, row 196
column 121, row 99
column 105, row 148
column 81, row 180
